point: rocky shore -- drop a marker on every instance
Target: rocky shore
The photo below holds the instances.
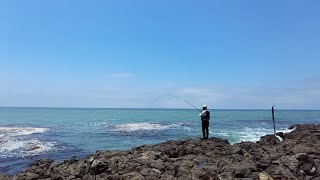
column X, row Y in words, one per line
column 296, row 157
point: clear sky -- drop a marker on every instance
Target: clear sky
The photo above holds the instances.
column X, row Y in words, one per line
column 227, row 54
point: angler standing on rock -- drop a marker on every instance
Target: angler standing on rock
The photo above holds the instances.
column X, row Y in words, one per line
column 205, row 117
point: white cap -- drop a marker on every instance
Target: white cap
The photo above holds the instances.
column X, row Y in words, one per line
column 204, row 106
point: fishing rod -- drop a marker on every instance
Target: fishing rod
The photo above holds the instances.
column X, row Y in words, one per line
column 186, row 102
column 192, row 105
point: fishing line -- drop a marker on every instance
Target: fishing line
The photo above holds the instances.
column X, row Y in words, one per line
column 186, row 102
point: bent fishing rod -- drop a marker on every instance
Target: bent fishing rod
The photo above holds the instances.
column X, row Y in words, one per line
column 186, row 102
column 192, row 105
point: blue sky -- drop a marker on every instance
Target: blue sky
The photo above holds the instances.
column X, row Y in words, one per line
column 227, row 54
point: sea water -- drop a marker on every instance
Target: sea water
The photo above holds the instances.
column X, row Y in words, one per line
column 29, row 134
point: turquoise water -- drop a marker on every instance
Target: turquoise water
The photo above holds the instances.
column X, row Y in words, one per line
column 28, row 134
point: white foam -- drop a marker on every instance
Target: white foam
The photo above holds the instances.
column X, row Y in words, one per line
column 224, row 134
column 144, row 127
column 21, row 131
column 91, row 124
column 97, row 124
column 286, row 130
column 38, row 147
column 254, row 134
column 23, row 148
column 18, row 142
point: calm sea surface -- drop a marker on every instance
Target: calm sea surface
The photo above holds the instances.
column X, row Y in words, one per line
column 28, row 134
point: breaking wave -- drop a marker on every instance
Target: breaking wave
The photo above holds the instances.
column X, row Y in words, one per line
column 131, row 127
column 147, row 129
column 22, row 142
column 247, row 134
column 142, row 126
column 20, row 131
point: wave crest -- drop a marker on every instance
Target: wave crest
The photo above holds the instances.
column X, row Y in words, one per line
column 247, row 134
column 21, row 142
column 21, row 131
column 131, row 127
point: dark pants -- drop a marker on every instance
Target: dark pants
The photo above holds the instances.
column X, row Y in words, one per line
column 205, row 129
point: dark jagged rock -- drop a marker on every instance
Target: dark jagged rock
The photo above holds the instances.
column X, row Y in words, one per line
column 296, row 157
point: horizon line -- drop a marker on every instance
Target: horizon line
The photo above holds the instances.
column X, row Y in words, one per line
column 55, row 107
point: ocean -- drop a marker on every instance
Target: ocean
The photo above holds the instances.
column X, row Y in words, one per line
column 29, row 134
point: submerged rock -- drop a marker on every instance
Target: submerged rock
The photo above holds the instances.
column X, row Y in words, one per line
column 296, row 157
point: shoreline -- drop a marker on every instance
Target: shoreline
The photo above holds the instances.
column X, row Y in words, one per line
column 297, row 156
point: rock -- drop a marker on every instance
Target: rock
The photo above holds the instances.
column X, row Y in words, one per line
column 88, row 177
column 299, row 148
column 292, row 127
column 291, row 162
column 269, row 140
column 302, row 157
column 132, row 176
column 281, row 134
column 204, row 176
column 28, row 176
column 264, row 176
column 97, row 167
column 4, row 177
column 167, row 177
column 244, row 170
column 57, row 177
column 278, row 172
column 34, row 148
column 313, row 170
column 296, row 157
column 226, row 176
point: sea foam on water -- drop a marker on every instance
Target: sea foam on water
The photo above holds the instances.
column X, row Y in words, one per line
column 142, row 126
column 19, row 142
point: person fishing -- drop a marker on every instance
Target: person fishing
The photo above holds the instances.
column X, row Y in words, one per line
column 205, row 118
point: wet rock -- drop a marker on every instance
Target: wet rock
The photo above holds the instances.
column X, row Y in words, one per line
column 296, row 157
column 280, row 134
column 269, row 140
column 34, row 148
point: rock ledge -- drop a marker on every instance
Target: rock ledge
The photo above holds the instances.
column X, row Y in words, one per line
column 296, row 157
